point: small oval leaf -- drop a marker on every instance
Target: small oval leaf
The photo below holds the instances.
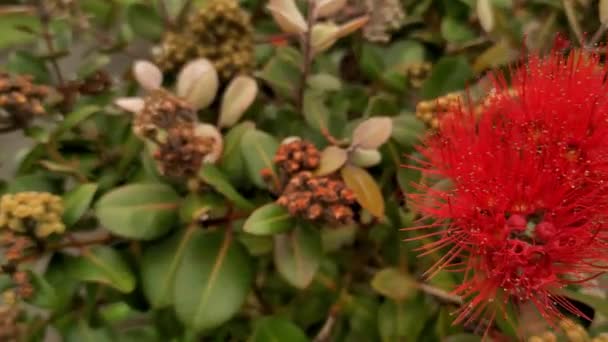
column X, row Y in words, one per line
column 213, row 176
column 394, row 284
column 326, row 8
column 198, row 83
column 287, row 15
column 485, row 15
column 365, row 158
column 148, row 75
column 373, row 132
column 102, row 264
column 268, row 220
column 239, row 95
column 276, row 328
column 76, row 202
column 365, row 188
column 297, row 255
column 212, row 281
column 159, row 265
column 258, row 149
column 139, row 211
column 332, row 159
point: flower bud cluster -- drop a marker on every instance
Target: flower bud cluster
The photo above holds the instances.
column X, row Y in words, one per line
column 221, row 32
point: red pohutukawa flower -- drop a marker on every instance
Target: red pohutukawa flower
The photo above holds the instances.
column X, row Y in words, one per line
column 526, row 212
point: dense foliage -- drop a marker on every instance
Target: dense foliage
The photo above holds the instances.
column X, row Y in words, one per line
column 227, row 170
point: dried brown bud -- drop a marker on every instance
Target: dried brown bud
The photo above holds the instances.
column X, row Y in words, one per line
column 96, row 83
column 296, row 156
column 162, row 110
column 21, row 99
column 183, row 152
column 318, row 198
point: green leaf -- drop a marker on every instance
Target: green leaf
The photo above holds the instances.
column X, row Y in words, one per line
column 402, row 320
column 45, row 295
column 315, row 109
column 232, row 162
column 407, row 130
column 24, row 62
column 82, row 332
column 159, row 265
column 258, row 149
column 145, row 22
column 455, row 31
column 212, row 281
column 371, row 62
column 213, row 176
column 102, row 265
column 277, row 329
column 139, row 211
column 34, row 182
column 77, row 201
column 75, row 118
column 10, row 32
column 366, row 189
column 394, row 284
column 402, row 53
column 269, row 219
column 92, row 64
column 449, row 74
column 297, row 255
column 282, row 72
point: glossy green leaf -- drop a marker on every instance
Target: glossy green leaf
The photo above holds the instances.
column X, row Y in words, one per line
column 104, row 265
column 75, row 118
column 145, row 21
column 277, row 329
column 139, row 211
column 212, row 281
column 213, row 176
column 77, row 201
column 34, row 182
column 282, row 72
column 403, row 320
column 45, row 295
column 159, row 264
column 258, row 149
column 449, row 74
column 455, row 31
column 394, row 284
column 232, row 162
column 407, row 130
column 81, row 331
column 10, row 32
column 297, row 255
column 269, row 219
column 316, row 112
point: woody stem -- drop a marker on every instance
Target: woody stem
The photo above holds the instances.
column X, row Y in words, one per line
column 307, row 55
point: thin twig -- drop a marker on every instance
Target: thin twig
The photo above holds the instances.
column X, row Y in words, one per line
column 45, row 19
column 307, row 53
column 574, row 24
column 17, row 9
column 440, row 294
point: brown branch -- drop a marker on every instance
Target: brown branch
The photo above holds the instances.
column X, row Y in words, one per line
column 307, row 53
column 17, row 9
column 45, row 18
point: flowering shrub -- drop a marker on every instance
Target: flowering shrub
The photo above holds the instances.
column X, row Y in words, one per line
column 227, row 170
